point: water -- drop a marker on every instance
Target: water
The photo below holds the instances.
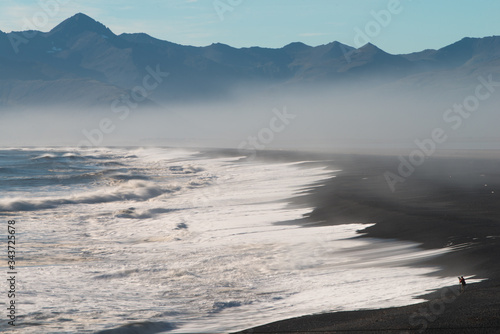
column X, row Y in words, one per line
column 184, row 242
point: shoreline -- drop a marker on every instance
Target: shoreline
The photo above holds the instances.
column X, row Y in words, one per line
column 474, row 311
column 449, row 201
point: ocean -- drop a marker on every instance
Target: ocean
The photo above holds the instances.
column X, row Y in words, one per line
column 182, row 241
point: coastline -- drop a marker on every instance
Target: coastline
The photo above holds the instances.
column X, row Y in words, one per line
column 449, row 201
column 474, row 311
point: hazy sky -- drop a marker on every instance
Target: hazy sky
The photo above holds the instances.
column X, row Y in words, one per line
column 413, row 25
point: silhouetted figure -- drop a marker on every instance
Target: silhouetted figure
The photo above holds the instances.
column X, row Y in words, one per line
column 461, row 279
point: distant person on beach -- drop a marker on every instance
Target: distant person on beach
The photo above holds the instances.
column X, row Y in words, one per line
column 461, row 279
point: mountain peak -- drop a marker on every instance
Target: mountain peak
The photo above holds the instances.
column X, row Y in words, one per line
column 371, row 47
column 338, row 44
column 297, row 45
column 80, row 23
column 369, row 50
column 334, row 49
column 220, row 46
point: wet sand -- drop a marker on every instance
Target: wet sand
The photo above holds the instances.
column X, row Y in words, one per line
column 474, row 311
column 452, row 200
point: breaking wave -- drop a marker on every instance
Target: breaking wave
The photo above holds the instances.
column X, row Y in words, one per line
column 132, row 190
column 146, row 327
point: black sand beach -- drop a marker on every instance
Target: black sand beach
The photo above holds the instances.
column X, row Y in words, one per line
column 451, row 200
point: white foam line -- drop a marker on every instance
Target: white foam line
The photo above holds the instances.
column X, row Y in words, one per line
column 217, row 247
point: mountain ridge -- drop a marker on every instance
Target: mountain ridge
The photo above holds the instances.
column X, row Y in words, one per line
column 80, row 23
column 84, row 50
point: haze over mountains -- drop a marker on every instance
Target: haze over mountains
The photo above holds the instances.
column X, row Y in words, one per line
column 81, row 62
column 58, row 87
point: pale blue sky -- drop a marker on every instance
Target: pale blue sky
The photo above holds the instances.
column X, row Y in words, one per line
column 414, row 25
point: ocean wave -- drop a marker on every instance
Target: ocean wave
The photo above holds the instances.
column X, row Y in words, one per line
column 125, row 273
column 187, row 169
column 120, row 274
column 5, row 170
column 61, row 177
column 129, row 191
column 45, row 156
column 201, row 182
column 128, row 177
column 221, row 306
column 132, row 213
column 146, row 327
column 71, row 156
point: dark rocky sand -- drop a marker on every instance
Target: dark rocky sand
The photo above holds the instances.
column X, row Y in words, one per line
column 449, row 201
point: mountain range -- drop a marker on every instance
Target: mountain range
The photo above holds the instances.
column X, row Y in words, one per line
column 82, row 62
